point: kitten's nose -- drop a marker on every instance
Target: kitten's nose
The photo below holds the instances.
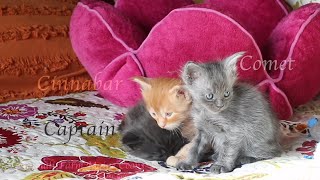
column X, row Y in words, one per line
column 162, row 124
column 219, row 104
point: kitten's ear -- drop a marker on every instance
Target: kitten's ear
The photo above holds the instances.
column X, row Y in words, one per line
column 190, row 72
column 143, row 82
column 180, row 92
column 230, row 63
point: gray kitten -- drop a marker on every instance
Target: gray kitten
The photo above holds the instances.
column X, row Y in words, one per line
column 233, row 118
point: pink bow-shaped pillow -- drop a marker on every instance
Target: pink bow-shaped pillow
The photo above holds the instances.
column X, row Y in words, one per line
column 114, row 48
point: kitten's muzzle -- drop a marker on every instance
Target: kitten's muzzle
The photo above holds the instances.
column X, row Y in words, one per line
column 219, row 104
column 162, row 123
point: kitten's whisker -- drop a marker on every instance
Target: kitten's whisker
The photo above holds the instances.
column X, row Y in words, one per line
column 175, row 132
column 179, row 133
column 172, row 131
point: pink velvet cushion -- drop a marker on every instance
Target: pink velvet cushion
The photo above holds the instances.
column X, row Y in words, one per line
column 148, row 12
column 181, row 37
column 297, row 38
column 259, row 17
column 102, row 36
column 197, row 32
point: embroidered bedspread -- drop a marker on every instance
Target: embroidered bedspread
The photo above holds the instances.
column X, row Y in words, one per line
column 75, row 136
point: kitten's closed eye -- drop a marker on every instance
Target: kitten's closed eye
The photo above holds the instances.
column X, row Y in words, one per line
column 153, row 114
column 209, row 96
column 169, row 114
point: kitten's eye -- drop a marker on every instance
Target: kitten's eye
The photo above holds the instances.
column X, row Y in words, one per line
column 209, row 96
column 169, row 114
column 154, row 114
column 227, row 94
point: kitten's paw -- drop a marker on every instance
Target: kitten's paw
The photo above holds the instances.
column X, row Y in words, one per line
column 172, row 161
column 184, row 166
column 217, row 169
column 246, row 160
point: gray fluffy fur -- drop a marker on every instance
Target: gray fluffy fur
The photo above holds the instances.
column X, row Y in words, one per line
column 241, row 128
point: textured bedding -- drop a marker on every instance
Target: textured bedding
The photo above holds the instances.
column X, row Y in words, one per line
column 74, row 136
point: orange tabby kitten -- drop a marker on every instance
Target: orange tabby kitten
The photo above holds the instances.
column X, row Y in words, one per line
column 169, row 104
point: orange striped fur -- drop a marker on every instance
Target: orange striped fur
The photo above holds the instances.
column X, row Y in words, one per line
column 166, row 100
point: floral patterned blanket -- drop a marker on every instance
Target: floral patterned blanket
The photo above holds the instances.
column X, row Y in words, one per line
column 75, row 136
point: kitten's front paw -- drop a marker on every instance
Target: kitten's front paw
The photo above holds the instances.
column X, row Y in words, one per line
column 184, row 166
column 246, row 160
column 217, row 169
column 172, row 161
